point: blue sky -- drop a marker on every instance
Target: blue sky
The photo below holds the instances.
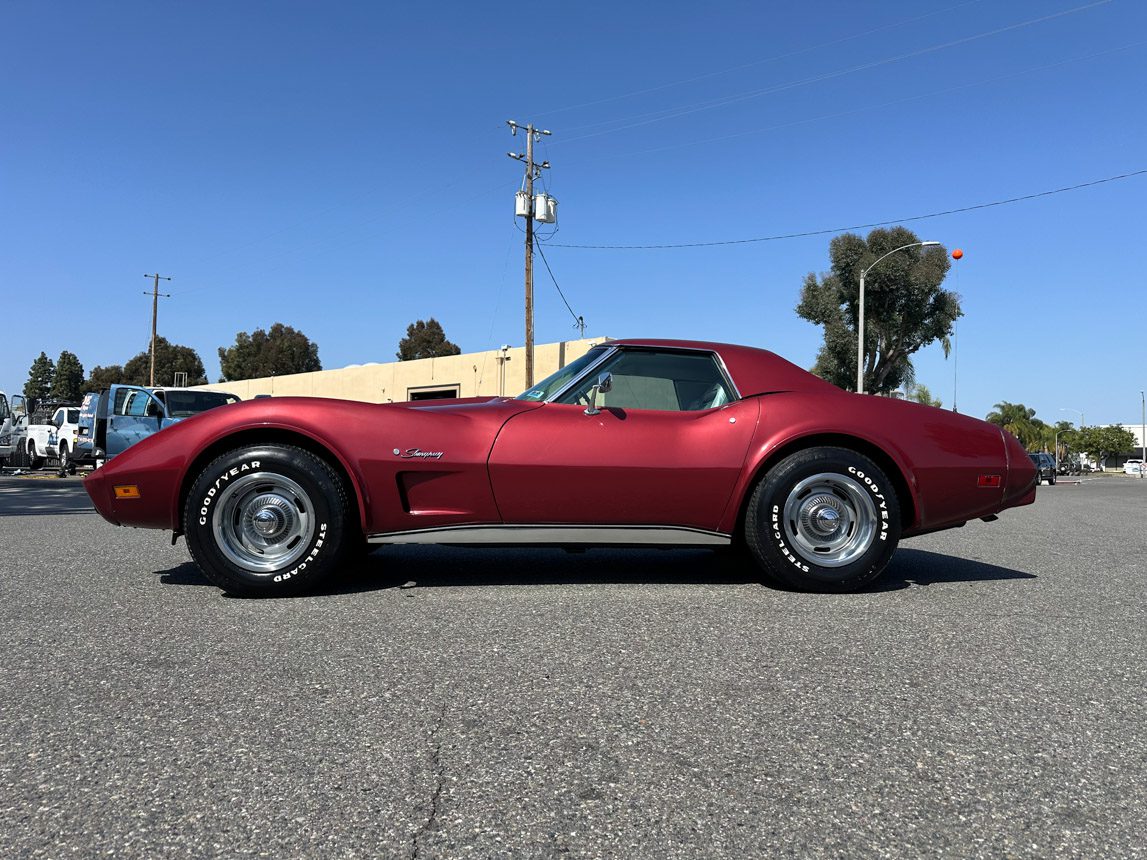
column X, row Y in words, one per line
column 341, row 168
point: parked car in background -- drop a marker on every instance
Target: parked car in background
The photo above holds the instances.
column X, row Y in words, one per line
column 1133, row 466
column 636, row 443
column 112, row 420
column 1070, row 465
column 1044, row 466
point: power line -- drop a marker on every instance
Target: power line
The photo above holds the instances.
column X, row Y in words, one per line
column 672, row 113
column 579, row 321
column 875, row 107
column 749, row 65
column 808, row 233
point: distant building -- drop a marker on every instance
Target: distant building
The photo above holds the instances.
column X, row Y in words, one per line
column 494, row 373
column 1136, row 429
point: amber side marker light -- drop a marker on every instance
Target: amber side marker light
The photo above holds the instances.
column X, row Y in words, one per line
column 989, row 481
column 128, row 491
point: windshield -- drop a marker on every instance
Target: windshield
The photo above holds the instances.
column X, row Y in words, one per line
column 181, row 404
column 551, row 385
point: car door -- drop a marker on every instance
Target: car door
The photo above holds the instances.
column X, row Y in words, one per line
column 134, row 414
column 665, row 449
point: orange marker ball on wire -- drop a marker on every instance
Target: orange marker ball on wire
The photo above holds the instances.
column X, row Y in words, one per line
column 957, row 254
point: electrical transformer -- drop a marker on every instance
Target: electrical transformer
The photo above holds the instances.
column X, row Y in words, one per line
column 545, row 209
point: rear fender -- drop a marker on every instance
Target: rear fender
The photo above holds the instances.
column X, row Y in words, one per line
column 767, row 452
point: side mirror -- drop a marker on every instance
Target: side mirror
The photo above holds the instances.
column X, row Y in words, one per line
column 603, row 386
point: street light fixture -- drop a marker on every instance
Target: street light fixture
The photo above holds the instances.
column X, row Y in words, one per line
column 860, row 319
column 1082, row 423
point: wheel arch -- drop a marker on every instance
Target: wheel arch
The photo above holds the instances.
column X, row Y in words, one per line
column 268, row 436
column 904, row 491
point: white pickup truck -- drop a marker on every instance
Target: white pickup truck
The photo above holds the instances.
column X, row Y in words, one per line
column 52, row 436
column 29, row 440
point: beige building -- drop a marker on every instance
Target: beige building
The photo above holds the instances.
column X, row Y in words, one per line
column 498, row 372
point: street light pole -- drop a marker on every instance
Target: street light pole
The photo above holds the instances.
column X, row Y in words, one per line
column 1143, row 431
column 860, row 315
column 1082, row 423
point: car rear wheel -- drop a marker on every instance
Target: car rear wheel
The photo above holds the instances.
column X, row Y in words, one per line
column 34, row 460
column 823, row 519
column 268, row 521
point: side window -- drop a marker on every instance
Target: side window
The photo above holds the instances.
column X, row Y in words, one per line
column 4, row 413
column 667, row 381
column 133, row 403
column 121, row 401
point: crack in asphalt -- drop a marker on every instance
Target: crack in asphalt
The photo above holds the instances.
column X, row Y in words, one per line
column 440, row 773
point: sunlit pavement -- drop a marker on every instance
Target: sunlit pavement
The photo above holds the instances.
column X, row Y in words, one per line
column 985, row 700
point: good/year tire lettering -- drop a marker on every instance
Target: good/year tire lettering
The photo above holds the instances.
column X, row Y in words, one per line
column 226, row 476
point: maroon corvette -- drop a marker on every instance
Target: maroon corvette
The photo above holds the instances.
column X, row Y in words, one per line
column 637, row 443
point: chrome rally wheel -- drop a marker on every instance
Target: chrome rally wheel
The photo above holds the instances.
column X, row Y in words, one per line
column 263, row 522
column 831, row 519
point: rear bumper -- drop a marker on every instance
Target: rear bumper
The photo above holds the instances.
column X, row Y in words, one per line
column 1022, row 474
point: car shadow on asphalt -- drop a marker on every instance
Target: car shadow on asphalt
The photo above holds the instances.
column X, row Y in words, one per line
column 917, row 567
column 409, row 567
column 441, row 567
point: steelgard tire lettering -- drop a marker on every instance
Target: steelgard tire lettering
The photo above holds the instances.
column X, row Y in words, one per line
column 781, row 541
column 283, row 577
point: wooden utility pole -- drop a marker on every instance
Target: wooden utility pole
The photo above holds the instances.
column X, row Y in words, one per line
column 532, row 173
column 530, row 258
column 155, row 294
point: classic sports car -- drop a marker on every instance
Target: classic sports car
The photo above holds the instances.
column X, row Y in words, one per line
column 638, row 442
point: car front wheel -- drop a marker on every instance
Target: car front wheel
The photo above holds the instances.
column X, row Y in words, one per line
column 823, row 519
column 267, row 521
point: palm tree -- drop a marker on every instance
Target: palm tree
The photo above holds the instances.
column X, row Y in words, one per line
column 1018, row 420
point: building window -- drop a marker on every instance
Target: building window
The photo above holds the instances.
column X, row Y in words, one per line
column 440, row 392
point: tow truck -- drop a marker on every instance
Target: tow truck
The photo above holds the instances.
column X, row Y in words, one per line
column 114, row 419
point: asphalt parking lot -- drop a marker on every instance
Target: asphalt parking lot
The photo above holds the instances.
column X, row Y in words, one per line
column 985, row 700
